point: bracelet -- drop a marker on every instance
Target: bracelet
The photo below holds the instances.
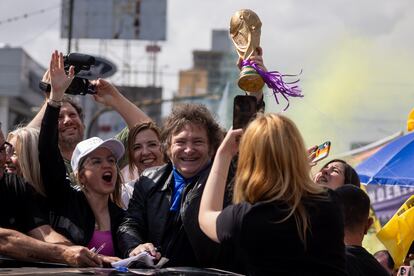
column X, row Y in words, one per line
column 55, row 103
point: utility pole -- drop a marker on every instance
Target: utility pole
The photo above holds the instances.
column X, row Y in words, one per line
column 70, row 22
column 153, row 49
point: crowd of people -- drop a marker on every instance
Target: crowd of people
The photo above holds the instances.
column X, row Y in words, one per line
column 245, row 201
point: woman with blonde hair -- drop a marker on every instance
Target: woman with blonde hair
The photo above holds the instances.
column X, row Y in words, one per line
column 24, row 156
column 281, row 222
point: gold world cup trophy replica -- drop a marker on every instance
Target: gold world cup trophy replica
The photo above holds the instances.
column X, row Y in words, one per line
column 245, row 29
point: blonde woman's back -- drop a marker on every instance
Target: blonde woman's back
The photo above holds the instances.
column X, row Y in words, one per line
column 272, row 247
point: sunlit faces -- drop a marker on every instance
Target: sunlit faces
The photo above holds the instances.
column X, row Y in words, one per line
column 99, row 172
column 12, row 161
column 189, row 150
column 332, row 176
column 147, row 150
column 70, row 126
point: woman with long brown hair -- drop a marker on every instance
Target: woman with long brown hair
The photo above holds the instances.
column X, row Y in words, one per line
column 144, row 151
column 281, row 222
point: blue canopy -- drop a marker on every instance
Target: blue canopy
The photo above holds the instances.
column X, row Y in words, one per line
column 391, row 165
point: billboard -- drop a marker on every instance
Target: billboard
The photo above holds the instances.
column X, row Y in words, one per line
column 116, row 19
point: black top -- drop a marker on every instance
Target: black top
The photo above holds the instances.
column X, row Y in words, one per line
column 271, row 247
column 71, row 214
column 21, row 208
column 360, row 263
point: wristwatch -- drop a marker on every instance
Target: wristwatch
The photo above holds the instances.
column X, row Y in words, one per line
column 54, row 103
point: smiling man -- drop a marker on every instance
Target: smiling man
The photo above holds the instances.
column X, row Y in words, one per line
column 164, row 208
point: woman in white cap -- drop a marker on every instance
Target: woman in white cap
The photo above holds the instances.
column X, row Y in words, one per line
column 88, row 216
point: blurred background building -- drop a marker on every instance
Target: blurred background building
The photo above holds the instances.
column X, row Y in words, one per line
column 212, row 74
column 20, row 95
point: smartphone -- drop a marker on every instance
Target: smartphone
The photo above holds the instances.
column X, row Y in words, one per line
column 244, row 110
column 322, row 151
column 405, row 271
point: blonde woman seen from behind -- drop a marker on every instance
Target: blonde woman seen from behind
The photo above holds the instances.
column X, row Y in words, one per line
column 281, row 222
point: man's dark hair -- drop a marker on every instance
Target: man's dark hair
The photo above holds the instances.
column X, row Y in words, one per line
column 76, row 106
column 355, row 205
column 351, row 176
column 196, row 114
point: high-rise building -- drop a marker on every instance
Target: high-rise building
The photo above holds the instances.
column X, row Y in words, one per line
column 212, row 71
column 20, row 95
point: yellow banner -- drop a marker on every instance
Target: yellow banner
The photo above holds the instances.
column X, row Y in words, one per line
column 398, row 234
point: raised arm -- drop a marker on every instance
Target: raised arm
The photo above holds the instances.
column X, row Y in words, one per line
column 109, row 95
column 212, row 200
column 52, row 166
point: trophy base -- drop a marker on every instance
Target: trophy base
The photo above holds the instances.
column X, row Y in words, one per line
column 250, row 80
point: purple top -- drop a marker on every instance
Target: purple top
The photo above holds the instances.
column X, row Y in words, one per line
column 99, row 238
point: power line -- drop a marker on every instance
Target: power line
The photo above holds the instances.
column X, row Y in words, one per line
column 26, row 15
column 38, row 35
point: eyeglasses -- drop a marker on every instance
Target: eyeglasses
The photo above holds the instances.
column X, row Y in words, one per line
column 7, row 148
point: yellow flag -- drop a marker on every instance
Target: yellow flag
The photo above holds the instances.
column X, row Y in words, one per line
column 398, row 234
column 410, row 121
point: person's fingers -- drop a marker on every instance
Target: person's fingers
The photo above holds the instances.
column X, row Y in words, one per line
column 311, row 156
column 51, row 62
column 71, row 72
column 60, row 61
column 89, row 258
column 46, row 76
column 108, row 259
column 312, row 149
column 151, row 249
column 135, row 252
column 237, row 131
column 239, row 62
column 259, row 51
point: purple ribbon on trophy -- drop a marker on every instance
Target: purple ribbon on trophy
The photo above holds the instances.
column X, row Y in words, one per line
column 274, row 81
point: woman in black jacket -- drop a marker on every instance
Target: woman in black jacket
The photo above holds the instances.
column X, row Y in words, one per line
column 90, row 215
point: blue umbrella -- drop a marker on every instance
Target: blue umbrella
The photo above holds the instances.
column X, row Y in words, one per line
column 391, row 165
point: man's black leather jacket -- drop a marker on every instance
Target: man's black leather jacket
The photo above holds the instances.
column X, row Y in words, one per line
column 148, row 213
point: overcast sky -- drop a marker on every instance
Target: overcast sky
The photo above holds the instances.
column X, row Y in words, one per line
column 356, row 56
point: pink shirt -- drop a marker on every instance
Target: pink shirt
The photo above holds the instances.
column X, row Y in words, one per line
column 100, row 237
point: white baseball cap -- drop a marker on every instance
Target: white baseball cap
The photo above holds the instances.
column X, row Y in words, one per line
column 87, row 146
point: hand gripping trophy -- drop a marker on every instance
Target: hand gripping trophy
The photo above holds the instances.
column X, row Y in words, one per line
column 245, row 30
